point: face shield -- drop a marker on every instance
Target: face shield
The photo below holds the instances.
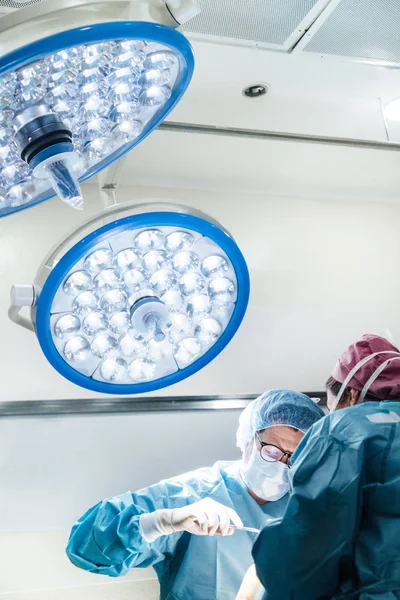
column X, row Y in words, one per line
column 395, row 356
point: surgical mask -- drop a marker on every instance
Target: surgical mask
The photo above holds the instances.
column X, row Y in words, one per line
column 268, row 480
column 370, row 381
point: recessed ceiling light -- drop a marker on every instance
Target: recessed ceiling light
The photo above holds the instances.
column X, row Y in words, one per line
column 255, row 90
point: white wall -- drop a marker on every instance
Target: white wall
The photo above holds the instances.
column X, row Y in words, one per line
column 322, row 274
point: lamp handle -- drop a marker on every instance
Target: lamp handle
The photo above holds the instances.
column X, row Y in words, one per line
column 22, row 295
column 16, row 317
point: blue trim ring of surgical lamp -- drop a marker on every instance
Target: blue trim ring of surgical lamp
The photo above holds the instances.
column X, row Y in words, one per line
column 217, row 242
column 156, row 37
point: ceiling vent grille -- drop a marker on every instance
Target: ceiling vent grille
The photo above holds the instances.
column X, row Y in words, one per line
column 271, row 24
column 7, row 6
column 366, row 30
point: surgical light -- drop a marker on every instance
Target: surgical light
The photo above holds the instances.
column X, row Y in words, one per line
column 140, row 297
column 92, row 80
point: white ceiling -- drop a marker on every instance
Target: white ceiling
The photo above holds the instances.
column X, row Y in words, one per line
column 306, row 95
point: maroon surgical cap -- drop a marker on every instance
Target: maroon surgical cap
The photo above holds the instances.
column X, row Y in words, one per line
column 387, row 385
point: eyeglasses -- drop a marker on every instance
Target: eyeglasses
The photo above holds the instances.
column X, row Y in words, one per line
column 271, row 453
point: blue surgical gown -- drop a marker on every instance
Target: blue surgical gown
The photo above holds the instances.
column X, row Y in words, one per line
column 108, row 540
column 340, row 534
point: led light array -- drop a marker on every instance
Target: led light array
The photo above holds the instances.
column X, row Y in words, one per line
column 105, row 94
column 91, row 323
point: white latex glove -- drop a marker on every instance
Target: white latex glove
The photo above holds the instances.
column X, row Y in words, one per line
column 205, row 517
column 251, row 587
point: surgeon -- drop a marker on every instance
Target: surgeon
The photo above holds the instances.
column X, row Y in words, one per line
column 172, row 525
column 340, row 534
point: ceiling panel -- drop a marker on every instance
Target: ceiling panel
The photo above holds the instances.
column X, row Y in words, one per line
column 365, row 30
column 271, row 24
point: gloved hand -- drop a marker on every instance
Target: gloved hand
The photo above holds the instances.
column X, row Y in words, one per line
column 251, row 587
column 205, row 517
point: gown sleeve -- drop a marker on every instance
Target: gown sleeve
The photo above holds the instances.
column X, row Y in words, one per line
column 107, row 539
column 301, row 554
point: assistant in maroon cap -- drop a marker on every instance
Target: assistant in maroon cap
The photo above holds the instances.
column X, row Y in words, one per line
column 381, row 354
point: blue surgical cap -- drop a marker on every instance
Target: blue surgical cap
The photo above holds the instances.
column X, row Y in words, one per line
column 277, row 407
